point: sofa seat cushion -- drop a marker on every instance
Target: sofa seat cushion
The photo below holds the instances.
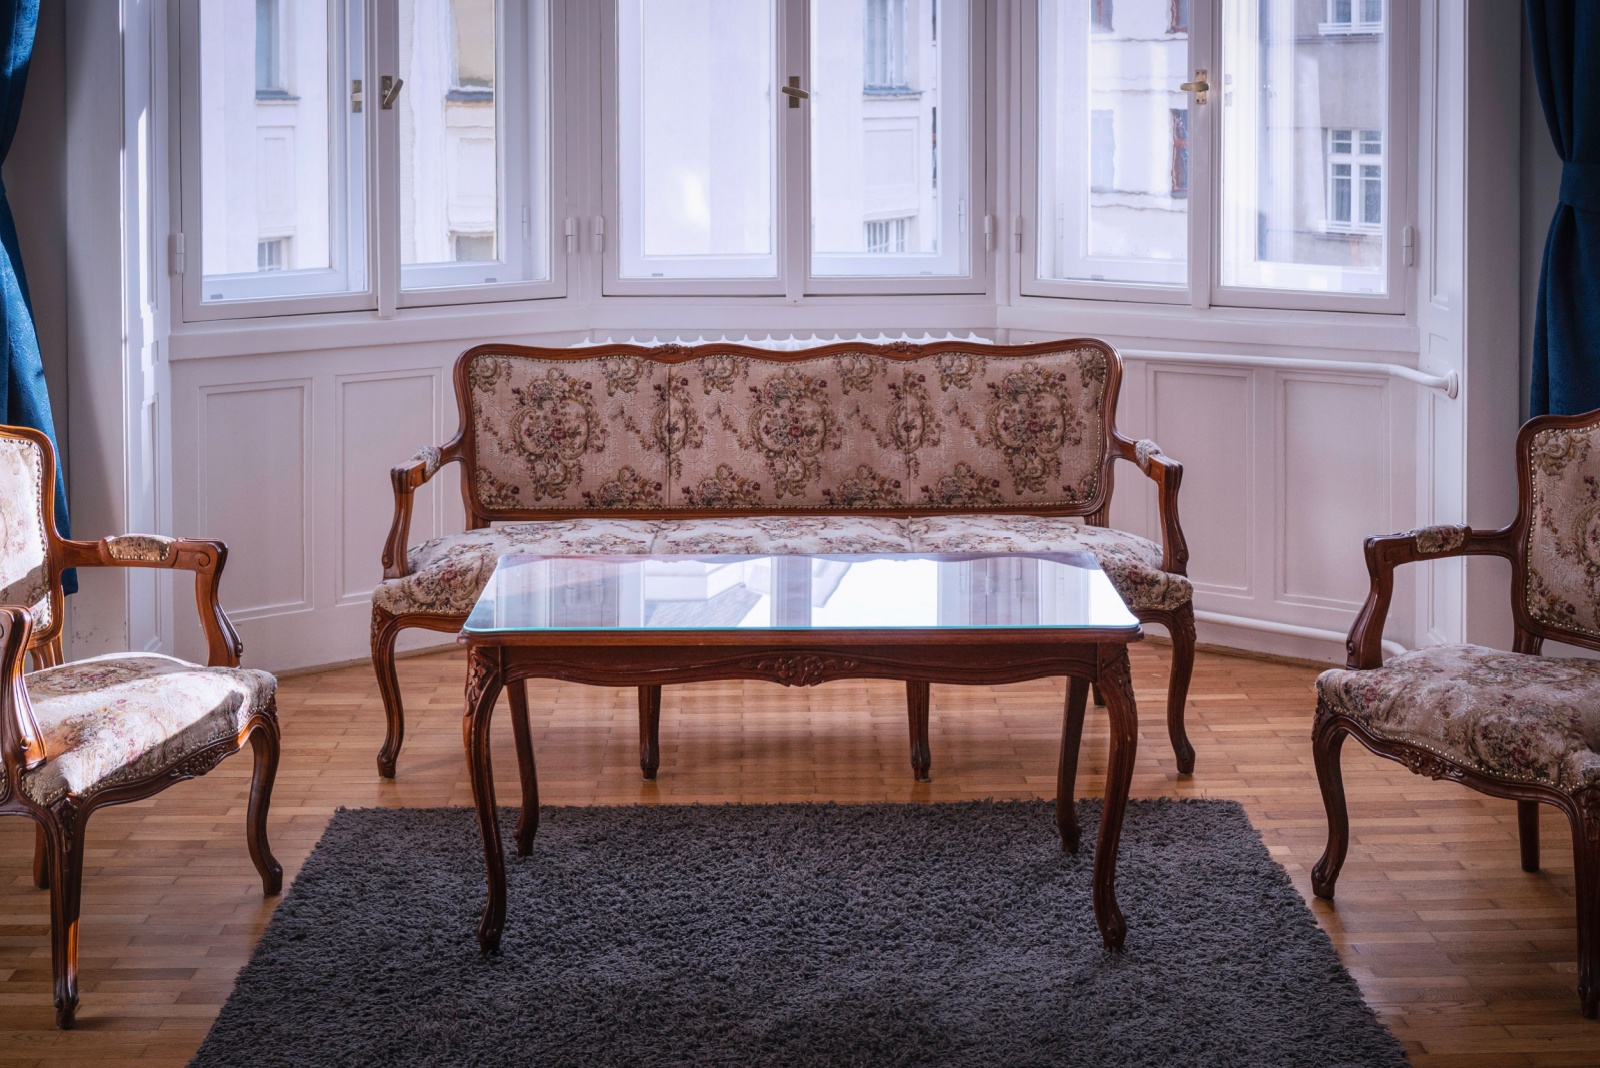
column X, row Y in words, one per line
column 1506, row 715
column 1132, row 563
column 444, row 576
column 783, row 534
column 114, row 719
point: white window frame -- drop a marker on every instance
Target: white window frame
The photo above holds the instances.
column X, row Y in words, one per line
column 526, row 143
column 1204, row 289
column 1355, row 160
column 1332, row 27
column 794, row 280
column 368, row 35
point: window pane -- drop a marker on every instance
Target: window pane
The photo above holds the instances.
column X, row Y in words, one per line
column 471, row 183
column 889, row 156
column 696, row 143
column 1302, row 102
column 1113, row 142
column 281, row 159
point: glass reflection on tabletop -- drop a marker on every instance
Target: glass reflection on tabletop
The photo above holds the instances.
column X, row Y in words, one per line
column 798, row 592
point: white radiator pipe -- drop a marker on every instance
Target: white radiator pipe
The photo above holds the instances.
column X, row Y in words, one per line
column 1449, row 384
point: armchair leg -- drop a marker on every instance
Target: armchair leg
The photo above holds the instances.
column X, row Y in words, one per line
column 65, row 849
column 385, row 630
column 1067, row 769
column 1327, row 739
column 1586, row 857
column 265, row 742
column 649, row 731
column 917, row 699
column 522, row 739
column 1528, row 832
column 41, row 858
column 1181, row 626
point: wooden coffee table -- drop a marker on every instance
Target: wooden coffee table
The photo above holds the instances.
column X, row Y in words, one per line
column 641, row 621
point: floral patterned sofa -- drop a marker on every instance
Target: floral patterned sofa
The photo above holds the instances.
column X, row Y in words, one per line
column 845, row 448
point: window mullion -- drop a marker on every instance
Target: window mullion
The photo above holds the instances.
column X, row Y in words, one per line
column 793, row 215
column 384, row 170
column 1205, row 135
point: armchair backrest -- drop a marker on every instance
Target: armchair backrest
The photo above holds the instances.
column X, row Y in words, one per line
column 726, row 429
column 29, row 576
column 1558, row 559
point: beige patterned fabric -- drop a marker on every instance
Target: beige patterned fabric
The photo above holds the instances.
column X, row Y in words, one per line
column 114, row 719
column 1516, row 717
column 959, row 430
column 446, row 575
column 143, row 548
column 1564, row 530
column 783, row 534
column 1132, row 563
column 568, row 434
column 24, row 578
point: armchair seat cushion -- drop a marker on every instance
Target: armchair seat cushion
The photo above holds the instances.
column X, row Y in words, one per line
column 115, row 719
column 1132, row 563
column 1506, row 715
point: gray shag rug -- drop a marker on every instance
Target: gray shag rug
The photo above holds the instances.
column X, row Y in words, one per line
column 829, row 935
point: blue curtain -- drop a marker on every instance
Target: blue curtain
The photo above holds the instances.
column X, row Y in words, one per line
column 25, row 400
column 1565, row 35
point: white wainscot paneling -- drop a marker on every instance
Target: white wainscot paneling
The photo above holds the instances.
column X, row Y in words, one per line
column 1204, row 419
column 1333, row 488
column 382, row 419
column 254, row 493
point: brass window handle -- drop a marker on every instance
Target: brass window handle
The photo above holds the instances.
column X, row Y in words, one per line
column 389, row 90
column 1199, row 87
column 794, row 92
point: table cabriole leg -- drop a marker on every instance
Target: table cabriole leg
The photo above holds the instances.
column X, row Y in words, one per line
column 483, row 689
column 1116, row 686
column 1067, row 770
column 527, row 770
column 917, row 700
column 649, row 731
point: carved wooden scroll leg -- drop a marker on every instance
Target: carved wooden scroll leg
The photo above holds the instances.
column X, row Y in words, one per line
column 649, row 730
column 527, row 771
column 1327, row 738
column 1116, row 684
column 265, row 741
column 483, row 689
column 1181, row 627
column 1586, row 865
column 1528, row 833
column 1067, row 770
column 385, row 630
column 41, row 858
column 917, row 698
column 65, row 849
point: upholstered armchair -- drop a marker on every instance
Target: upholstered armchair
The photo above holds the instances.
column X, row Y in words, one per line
column 1514, row 724
column 110, row 729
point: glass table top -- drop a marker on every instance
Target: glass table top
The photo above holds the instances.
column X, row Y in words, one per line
column 798, row 592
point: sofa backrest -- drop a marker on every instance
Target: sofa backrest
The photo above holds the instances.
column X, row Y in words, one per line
column 729, row 429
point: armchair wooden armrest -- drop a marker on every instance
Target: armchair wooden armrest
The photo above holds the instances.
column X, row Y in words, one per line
column 1385, row 552
column 21, row 744
column 406, row 478
column 1167, row 474
column 204, row 557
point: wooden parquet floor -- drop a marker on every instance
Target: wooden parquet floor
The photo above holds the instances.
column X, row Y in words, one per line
column 1467, row 959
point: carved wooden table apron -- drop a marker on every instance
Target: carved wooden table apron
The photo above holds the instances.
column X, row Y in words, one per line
column 802, row 657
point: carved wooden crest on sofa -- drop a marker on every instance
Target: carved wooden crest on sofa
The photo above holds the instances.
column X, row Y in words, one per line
column 1510, row 724
column 110, row 729
column 845, row 448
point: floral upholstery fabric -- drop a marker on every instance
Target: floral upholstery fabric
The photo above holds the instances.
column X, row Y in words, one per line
column 563, row 434
column 861, row 430
column 445, row 576
column 1564, row 530
column 24, row 578
column 783, row 534
column 114, row 719
column 1132, row 563
column 1517, row 717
